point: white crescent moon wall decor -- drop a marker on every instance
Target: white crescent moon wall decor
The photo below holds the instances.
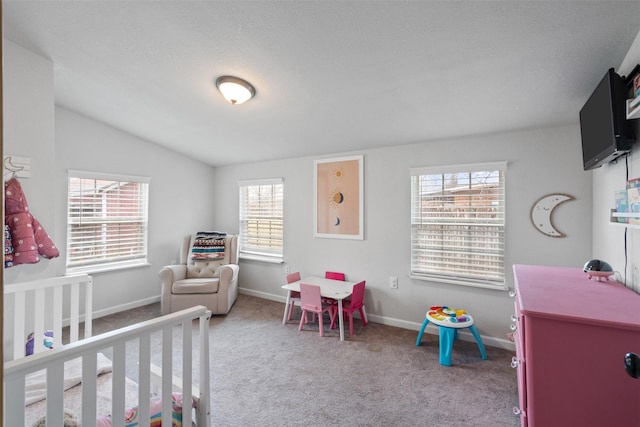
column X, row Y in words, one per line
column 542, row 213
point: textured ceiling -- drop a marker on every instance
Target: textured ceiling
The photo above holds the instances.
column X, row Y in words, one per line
column 330, row 76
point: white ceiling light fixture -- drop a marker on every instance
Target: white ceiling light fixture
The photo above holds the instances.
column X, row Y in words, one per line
column 234, row 89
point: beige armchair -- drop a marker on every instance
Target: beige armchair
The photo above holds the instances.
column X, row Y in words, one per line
column 213, row 283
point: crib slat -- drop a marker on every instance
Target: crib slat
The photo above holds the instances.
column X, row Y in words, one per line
column 18, row 326
column 55, row 390
column 144, row 355
column 15, row 399
column 88, row 307
column 203, row 397
column 187, row 366
column 89, row 384
column 57, row 316
column 38, row 318
column 167, row 372
column 118, row 381
column 74, row 314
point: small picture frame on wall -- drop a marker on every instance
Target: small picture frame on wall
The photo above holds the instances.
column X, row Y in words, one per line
column 338, row 198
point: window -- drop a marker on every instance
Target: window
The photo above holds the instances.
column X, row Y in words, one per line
column 457, row 224
column 261, row 219
column 106, row 221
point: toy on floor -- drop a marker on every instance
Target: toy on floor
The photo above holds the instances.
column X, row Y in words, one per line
column 449, row 320
column 47, row 340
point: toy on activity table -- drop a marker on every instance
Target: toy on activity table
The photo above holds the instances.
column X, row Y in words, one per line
column 446, row 314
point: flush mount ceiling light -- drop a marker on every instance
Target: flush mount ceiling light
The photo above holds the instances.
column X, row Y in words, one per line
column 234, row 89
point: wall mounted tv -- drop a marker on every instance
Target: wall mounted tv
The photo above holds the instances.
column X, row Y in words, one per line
column 606, row 132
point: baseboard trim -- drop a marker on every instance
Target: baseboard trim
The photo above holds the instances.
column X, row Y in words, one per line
column 263, row 295
column 399, row 323
column 124, row 307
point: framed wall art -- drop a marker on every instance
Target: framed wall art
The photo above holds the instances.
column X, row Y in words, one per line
column 338, row 210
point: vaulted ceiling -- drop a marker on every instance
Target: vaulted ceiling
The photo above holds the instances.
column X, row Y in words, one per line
column 330, row 76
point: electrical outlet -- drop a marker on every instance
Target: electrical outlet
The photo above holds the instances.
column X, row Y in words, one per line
column 286, row 269
column 393, row 282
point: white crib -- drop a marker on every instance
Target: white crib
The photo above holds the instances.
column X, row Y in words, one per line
column 47, row 304
column 194, row 356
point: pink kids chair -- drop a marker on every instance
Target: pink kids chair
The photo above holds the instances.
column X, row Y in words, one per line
column 335, row 275
column 312, row 303
column 355, row 303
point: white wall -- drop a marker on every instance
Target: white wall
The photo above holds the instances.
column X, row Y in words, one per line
column 187, row 195
column 180, row 199
column 181, row 196
column 540, row 162
column 29, row 132
column 608, row 240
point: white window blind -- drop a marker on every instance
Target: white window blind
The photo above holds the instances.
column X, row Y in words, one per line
column 107, row 218
column 261, row 219
column 457, row 224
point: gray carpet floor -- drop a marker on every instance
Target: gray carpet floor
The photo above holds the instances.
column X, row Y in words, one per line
column 264, row 373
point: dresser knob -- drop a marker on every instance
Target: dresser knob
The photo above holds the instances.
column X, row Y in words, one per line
column 513, row 327
column 514, row 318
column 514, row 362
column 512, row 294
column 516, row 410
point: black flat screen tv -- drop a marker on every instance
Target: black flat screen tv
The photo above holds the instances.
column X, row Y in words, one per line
column 606, row 132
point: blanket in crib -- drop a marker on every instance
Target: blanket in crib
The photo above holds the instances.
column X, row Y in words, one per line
column 36, row 383
column 132, row 416
column 208, row 246
column 36, row 412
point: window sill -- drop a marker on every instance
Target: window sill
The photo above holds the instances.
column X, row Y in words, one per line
column 105, row 268
column 459, row 282
column 268, row 259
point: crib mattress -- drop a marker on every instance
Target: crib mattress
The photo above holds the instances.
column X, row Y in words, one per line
column 73, row 399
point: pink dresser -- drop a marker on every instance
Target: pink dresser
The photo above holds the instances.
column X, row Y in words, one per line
column 571, row 335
